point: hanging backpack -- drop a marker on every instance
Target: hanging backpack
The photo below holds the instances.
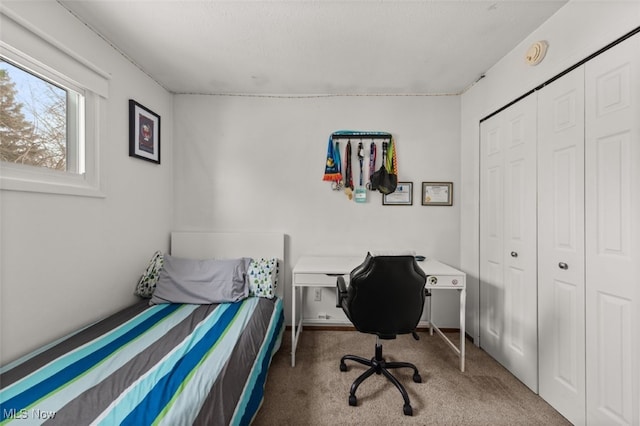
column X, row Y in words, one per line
column 385, row 179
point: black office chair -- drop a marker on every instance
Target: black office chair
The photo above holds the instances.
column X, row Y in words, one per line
column 385, row 297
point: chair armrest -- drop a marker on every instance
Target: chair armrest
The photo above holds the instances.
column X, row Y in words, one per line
column 341, row 291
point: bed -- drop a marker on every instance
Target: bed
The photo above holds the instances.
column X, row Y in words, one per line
column 169, row 363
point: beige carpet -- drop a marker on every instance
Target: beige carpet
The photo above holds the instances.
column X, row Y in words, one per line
column 315, row 391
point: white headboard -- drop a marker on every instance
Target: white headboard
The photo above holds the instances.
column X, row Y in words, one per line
column 203, row 245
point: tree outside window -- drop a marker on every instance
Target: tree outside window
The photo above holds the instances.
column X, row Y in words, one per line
column 33, row 119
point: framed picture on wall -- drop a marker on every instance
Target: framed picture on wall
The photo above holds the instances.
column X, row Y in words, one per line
column 144, row 133
column 402, row 196
column 437, row 193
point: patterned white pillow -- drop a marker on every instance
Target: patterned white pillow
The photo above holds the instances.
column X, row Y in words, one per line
column 147, row 283
column 263, row 277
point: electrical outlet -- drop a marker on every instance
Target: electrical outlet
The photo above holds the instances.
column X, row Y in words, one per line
column 318, row 295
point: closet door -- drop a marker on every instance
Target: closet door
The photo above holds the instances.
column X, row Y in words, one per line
column 612, row 179
column 561, row 280
column 508, row 292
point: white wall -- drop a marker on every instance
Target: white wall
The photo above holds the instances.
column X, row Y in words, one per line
column 573, row 33
column 68, row 260
column 256, row 164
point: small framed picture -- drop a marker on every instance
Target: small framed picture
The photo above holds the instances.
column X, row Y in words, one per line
column 402, row 196
column 144, row 133
column 437, row 193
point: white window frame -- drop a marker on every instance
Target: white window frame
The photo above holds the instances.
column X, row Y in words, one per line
column 38, row 53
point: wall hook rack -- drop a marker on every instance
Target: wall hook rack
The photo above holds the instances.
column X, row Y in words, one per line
column 360, row 135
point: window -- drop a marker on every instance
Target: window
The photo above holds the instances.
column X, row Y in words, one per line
column 39, row 121
column 50, row 108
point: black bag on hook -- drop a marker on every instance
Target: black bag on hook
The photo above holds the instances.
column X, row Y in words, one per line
column 381, row 179
column 384, row 181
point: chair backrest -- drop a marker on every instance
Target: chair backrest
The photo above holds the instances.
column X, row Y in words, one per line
column 386, row 295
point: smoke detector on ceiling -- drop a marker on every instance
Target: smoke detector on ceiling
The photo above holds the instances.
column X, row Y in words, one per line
column 536, row 52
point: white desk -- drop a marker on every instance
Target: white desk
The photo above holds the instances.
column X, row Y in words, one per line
column 320, row 271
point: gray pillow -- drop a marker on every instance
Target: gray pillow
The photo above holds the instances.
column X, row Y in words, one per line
column 201, row 281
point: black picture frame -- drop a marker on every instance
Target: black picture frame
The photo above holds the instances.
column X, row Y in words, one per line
column 144, row 133
column 402, row 196
column 437, row 193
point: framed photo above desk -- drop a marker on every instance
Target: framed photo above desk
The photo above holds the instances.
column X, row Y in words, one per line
column 437, row 193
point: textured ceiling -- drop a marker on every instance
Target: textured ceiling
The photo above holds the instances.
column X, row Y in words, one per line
column 314, row 47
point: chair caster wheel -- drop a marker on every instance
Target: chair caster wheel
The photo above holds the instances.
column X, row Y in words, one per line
column 408, row 411
column 417, row 378
column 353, row 401
column 343, row 366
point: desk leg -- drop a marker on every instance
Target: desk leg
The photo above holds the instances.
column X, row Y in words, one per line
column 293, row 324
column 463, row 308
column 430, row 315
column 295, row 331
column 459, row 350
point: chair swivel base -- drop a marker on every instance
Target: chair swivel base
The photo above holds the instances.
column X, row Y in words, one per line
column 378, row 365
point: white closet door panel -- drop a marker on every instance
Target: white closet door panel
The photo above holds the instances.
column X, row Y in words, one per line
column 494, row 303
column 492, row 224
column 521, row 308
column 561, row 323
column 508, row 295
column 612, row 199
column 613, row 168
column 515, row 320
column 611, row 384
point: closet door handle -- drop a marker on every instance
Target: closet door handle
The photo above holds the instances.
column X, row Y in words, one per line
column 514, row 254
column 563, row 265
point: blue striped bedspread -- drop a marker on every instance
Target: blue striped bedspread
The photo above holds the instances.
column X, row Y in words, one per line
column 173, row 364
